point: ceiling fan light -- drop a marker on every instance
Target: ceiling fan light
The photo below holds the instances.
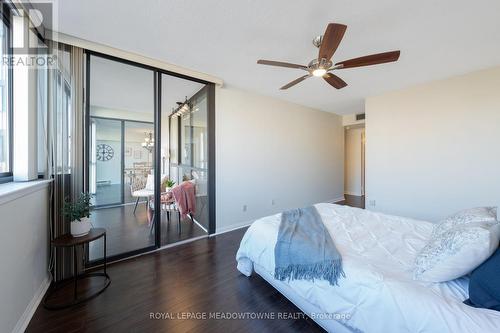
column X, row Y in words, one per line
column 319, row 72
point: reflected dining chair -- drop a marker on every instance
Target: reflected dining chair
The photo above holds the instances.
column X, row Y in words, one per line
column 169, row 205
column 142, row 189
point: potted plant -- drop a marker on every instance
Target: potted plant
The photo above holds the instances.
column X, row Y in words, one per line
column 78, row 214
column 168, row 183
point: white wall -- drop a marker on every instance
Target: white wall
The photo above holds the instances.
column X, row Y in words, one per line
column 23, row 256
column 352, row 161
column 433, row 149
column 268, row 149
column 122, row 114
column 350, row 119
column 110, row 170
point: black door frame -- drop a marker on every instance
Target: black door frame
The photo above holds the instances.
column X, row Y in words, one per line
column 157, row 74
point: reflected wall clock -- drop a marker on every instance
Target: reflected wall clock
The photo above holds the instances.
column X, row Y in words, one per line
column 104, row 152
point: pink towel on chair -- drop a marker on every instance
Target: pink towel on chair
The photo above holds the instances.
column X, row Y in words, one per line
column 185, row 197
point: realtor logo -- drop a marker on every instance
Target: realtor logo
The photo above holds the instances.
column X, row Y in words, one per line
column 29, row 22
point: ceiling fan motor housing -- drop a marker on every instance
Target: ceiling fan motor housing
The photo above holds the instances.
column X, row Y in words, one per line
column 319, row 63
column 317, row 41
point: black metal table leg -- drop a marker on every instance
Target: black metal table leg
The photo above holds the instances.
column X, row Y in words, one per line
column 136, row 202
column 179, row 221
column 67, row 241
column 152, row 224
column 105, row 259
column 75, row 272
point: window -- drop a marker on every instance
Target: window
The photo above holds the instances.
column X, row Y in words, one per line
column 5, row 103
column 63, row 126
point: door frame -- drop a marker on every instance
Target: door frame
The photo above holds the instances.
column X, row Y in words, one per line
column 363, row 161
column 157, row 92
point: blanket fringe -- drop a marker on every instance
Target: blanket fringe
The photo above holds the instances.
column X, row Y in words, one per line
column 330, row 270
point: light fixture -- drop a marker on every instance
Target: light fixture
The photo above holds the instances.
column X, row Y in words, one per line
column 319, row 72
column 183, row 109
column 149, row 142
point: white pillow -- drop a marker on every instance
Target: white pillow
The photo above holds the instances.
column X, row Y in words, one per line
column 482, row 215
column 456, row 252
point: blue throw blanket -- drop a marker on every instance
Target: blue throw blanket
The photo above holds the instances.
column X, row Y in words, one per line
column 305, row 250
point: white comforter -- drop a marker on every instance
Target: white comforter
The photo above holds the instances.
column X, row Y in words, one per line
column 378, row 293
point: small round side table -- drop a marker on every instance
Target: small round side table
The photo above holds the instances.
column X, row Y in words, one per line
column 66, row 241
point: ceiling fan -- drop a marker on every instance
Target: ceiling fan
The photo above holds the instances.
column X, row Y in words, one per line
column 323, row 65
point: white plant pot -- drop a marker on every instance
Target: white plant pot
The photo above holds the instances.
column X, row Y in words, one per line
column 80, row 228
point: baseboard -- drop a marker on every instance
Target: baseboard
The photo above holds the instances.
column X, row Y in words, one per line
column 23, row 322
column 248, row 223
column 164, row 247
column 358, row 194
column 232, row 227
column 338, row 199
column 199, row 225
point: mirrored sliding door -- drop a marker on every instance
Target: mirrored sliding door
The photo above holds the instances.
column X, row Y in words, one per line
column 150, row 156
column 184, row 143
column 121, row 157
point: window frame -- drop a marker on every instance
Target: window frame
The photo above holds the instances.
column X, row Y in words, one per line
column 8, row 175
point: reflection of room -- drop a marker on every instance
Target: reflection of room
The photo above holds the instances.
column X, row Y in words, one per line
column 137, row 161
column 122, row 142
column 121, row 117
column 184, row 115
column 188, row 135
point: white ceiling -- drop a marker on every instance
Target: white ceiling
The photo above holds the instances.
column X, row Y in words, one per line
column 176, row 90
column 224, row 38
column 111, row 130
column 119, row 86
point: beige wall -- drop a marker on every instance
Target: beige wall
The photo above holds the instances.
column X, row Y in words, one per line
column 353, row 161
column 350, row 120
column 434, row 149
column 23, row 256
column 268, row 149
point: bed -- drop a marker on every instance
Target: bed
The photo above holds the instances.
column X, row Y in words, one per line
column 378, row 293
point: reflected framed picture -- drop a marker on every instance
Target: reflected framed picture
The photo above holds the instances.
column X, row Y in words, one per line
column 138, row 154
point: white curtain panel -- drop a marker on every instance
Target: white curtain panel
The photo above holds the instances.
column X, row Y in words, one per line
column 64, row 137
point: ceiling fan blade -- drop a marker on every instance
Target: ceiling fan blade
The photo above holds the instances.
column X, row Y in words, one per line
column 294, row 82
column 374, row 59
column 334, row 80
column 331, row 40
column 280, row 64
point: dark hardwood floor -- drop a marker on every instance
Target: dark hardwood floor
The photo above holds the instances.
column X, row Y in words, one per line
column 353, row 201
column 127, row 231
column 198, row 278
column 112, row 194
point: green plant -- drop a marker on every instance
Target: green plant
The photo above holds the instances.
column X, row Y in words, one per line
column 168, row 183
column 79, row 209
